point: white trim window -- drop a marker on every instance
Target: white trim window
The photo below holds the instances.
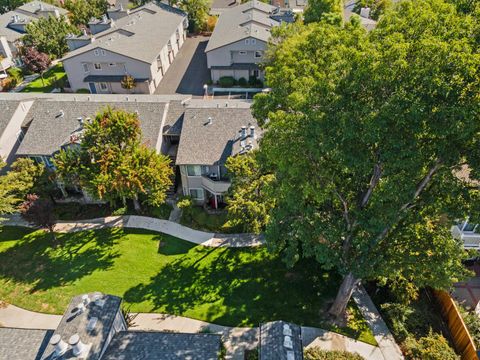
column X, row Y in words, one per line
column 194, row 170
column 86, row 68
column 103, row 86
column 258, row 54
column 247, row 41
column 197, row 194
column 103, row 52
column 242, row 52
column 97, row 66
column 112, row 64
column 253, row 41
column 96, row 52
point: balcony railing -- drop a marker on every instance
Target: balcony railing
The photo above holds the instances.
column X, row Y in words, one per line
column 215, row 186
column 470, row 239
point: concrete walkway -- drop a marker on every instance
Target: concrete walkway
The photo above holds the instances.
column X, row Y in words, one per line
column 382, row 334
column 153, row 224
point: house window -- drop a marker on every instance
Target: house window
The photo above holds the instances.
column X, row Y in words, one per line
column 85, row 68
column 112, row 64
column 103, row 52
column 194, row 170
column 258, row 54
column 177, row 33
column 96, row 52
column 98, row 66
column 253, row 41
column 48, row 162
column 196, row 194
column 242, row 52
column 247, row 41
column 103, row 86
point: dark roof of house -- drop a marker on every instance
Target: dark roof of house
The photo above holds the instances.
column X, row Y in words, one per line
column 174, row 120
column 7, row 109
column 142, row 345
column 76, row 322
column 141, row 35
column 49, row 130
column 202, row 143
column 23, row 344
column 280, row 340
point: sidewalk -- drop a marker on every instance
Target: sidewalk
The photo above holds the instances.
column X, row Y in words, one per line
column 382, row 334
column 153, row 224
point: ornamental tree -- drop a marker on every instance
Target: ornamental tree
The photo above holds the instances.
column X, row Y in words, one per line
column 36, row 61
column 40, row 212
column 112, row 163
column 365, row 134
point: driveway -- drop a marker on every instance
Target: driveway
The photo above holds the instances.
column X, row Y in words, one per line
column 468, row 292
column 188, row 72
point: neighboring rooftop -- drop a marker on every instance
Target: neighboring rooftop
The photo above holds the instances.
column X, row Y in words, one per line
column 140, row 345
column 7, row 109
column 174, row 120
column 140, row 35
column 23, row 15
column 211, row 132
column 23, row 344
column 53, row 122
column 280, row 340
column 251, row 19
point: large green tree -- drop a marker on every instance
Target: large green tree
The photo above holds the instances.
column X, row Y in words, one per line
column 112, row 163
column 17, row 182
column 364, row 134
column 81, row 11
column 48, row 35
column 377, row 7
column 328, row 10
column 197, row 11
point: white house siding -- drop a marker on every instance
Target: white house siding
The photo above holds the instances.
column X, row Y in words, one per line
column 10, row 136
column 75, row 70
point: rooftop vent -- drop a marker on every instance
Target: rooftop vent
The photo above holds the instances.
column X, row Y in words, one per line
column 91, row 323
column 244, row 132
column 253, row 136
column 287, row 342
column 210, row 121
column 80, row 121
column 77, row 346
column 287, row 331
column 60, row 345
column 85, row 298
column 61, row 113
column 290, row 355
column 81, row 308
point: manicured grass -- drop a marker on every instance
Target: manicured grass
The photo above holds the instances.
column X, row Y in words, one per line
column 159, row 273
column 56, row 72
column 198, row 218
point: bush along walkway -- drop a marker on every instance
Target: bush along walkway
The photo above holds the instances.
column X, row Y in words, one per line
column 153, row 224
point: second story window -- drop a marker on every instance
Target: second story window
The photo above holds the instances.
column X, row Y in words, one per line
column 96, row 52
column 194, row 170
column 242, row 52
column 98, row 66
column 103, row 52
column 258, row 54
column 253, row 41
column 85, row 67
column 247, row 41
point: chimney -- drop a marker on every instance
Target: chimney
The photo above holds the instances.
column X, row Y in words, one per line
column 60, row 345
column 365, row 12
column 77, row 346
column 252, row 132
column 244, row 132
column 85, row 298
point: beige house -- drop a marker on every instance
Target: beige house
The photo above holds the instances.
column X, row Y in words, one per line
column 141, row 43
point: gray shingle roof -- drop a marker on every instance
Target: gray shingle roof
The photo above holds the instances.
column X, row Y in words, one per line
column 7, row 108
column 23, row 344
column 211, row 144
column 48, row 131
column 34, row 6
column 272, row 341
column 140, row 345
column 73, row 322
column 140, row 35
column 174, row 120
column 251, row 19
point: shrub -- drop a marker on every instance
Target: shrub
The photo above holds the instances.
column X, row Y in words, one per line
column 211, row 22
column 186, row 205
column 251, row 354
column 431, row 347
column 8, row 84
column 226, row 81
column 242, row 81
column 16, row 73
column 120, row 211
column 316, row 353
column 472, row 322
column 83, row 91
column 397, row 316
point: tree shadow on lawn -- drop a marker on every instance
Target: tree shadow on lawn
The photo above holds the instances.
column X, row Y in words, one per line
column 35, row 261
column 238, row 287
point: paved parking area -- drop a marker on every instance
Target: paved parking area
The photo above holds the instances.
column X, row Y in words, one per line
column 188, row 72
column 468, row 292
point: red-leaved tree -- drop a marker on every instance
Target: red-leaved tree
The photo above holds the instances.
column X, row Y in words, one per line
column 36, row 61
column 39, row 211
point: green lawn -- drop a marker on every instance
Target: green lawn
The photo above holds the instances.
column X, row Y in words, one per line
column 158, row 273
column 75, row 211
column 198, row 218
column 47, row 85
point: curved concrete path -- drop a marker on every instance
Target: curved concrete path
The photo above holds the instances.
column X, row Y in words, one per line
column 153, row 224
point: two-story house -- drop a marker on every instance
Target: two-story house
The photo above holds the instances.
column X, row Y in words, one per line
column 239, row 40
column 141, row 43
column 211, row 132
column 13, row 26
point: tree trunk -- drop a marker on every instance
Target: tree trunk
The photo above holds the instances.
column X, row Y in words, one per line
column 343, row 296
column 136, row 204
column 41, row 76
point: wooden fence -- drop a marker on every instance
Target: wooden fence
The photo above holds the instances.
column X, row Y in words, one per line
column 461, row 338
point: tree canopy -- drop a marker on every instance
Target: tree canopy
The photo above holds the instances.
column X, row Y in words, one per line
column 197, row 11
column 81, row 11
column 112, row 163
column 328, row 10
column 377, row 7
column 364, row 133
column 48, row 35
